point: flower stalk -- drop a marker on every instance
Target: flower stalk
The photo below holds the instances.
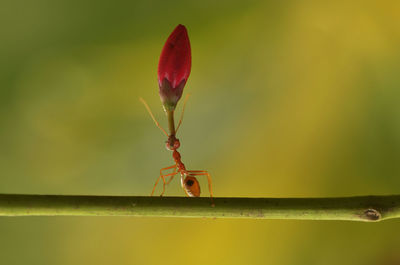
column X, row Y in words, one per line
column 171, row 122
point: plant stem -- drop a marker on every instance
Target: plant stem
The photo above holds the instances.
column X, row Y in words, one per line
column 171, row 122
column 363, row 208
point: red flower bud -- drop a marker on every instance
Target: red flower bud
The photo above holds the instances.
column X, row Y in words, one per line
column 174, row 67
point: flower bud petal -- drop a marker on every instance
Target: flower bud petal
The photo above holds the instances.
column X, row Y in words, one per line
column 174, row 67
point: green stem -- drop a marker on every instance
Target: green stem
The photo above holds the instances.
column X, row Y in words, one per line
column 171, row 122
column 363, row 208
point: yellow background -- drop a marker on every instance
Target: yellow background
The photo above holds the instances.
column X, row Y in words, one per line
column 289, row 99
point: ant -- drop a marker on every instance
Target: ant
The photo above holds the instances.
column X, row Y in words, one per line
column 189, row 182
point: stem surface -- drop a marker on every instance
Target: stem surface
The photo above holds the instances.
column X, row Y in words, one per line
column 171, row 122
column 362, row 208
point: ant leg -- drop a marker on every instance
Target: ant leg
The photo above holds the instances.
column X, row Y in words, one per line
column 204, row 173
column 165, row 168
column 165, row 183
column 155, row 185
column 162, row 177
column 172, row 176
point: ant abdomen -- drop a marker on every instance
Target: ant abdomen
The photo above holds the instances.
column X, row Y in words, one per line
column 191, row 186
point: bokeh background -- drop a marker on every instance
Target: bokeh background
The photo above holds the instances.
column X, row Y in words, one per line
column 289, row 98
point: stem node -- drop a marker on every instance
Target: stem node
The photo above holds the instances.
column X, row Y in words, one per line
column 372, row 215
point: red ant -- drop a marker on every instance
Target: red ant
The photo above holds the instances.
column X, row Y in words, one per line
column 189, row 182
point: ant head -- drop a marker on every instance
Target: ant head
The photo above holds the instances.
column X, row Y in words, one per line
column 172, row 143
column 191, row 186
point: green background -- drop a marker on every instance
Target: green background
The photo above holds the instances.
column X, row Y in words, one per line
column 288, row 99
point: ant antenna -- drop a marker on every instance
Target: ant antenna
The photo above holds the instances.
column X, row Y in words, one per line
column 152, row 116
column 183, row 111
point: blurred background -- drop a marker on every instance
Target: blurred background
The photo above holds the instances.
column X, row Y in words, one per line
column 289, row 99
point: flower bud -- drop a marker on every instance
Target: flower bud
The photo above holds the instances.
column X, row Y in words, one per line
column 174, row 67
